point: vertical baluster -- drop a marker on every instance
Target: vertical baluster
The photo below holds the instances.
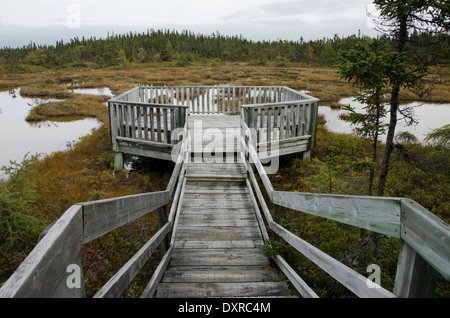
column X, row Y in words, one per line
column 224, row 106
column 120, row 120
column 276, row 130
column 145, row 119
column 133, row 121
column 181, row 98
column 152, row 124
column 126, row 120
column 216, row 100
column 129, row 121
column 208, row 104
column 138, row 121
column 172, row 124
column 291, row 121
column 197, row 91
column 292, row 116
column 166, row 126
column 227, row 100
column 158, row 124
column 203, row 100
column 192, row 93
column 269, row 124
column 238, row 99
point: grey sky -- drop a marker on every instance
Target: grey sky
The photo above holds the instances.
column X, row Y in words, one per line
column 45, row 21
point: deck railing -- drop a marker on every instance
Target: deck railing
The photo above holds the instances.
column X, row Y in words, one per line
column 425, row 239
column 213, row 99
column 283, row 127
column 143, row 119
column 44, row 272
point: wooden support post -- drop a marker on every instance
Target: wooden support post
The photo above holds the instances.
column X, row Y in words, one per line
column 314, row 108
column 415, row 278
column 250, row 118
column 118, row 161
column 278, row 215
column 181, row 117
column 162, row 220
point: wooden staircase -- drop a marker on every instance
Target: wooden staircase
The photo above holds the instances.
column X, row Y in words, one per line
column 217, row 251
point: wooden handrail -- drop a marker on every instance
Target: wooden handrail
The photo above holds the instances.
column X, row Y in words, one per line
column 42, row 271
column 423, row 232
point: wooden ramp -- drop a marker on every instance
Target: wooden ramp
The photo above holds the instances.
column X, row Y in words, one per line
column 217, row 250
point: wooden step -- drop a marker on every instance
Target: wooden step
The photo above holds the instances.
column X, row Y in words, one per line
column 240, row 289
column 218, row 274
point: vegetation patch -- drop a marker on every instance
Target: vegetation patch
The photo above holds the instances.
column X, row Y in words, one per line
column 54, row 109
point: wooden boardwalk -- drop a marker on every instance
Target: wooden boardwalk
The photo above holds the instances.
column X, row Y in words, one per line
column 217, row 250
column 219, row 214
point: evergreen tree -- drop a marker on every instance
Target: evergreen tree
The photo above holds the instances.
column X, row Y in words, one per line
column 398, row 19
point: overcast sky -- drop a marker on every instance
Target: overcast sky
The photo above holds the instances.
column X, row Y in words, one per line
column 45, row 21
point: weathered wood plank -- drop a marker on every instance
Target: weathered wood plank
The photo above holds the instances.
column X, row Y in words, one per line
column 230, row 274
column 354, row 281
column 216, row 197
column 199, row 187
column 119, row 282
column 428, row 235
column 252, row 289
column 415, row 278
column 218, row 257
column 294, row 278
column 102, row 216
column 40, row 273
column 215, row 243
column 207, row 220
column 152, row 285
column 377, row 214
column 234, row 211
column 217, row 205
column 221, row 233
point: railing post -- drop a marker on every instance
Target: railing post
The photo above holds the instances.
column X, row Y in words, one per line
column 118, row 161
column 181, row 117
column 313, row 124
column 415, row 278
column 113, row 127
column 278, row 215
column 162, row 220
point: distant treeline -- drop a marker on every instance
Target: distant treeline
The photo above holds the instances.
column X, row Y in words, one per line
column 185, row 47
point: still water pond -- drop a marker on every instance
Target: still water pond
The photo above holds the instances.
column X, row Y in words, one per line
column 18, row 137
column 429, row 116
column 93, row 91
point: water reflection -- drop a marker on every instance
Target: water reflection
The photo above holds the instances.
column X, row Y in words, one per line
column 93, row 91
column 429, row 116
column 18, row 137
